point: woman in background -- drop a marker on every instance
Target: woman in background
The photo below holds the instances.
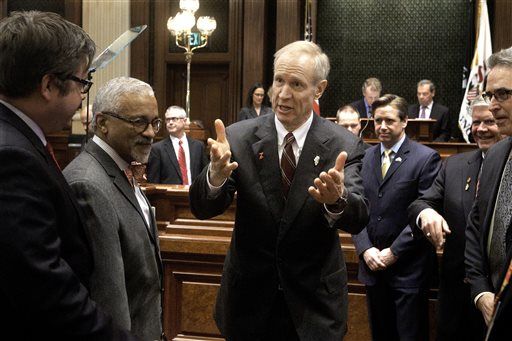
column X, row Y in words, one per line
column 255, row 104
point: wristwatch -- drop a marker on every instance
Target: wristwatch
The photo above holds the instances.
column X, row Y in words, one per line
column 340, row 204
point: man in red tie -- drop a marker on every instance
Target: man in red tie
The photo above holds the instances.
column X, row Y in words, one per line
column 45, row 262
column 179, row 159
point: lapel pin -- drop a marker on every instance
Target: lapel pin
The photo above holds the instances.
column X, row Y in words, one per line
column 467, row 184
column 316, row 160
column 398, row 159
column 261, row 156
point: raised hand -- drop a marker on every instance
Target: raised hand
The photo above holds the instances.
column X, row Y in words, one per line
column 329, row 186
column 220, row 155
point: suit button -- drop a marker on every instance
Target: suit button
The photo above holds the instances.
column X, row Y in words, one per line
column 380, row 194
column 379, row 218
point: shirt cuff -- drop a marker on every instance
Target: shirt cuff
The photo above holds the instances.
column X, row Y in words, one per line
column 213, row 191
column 480, row 295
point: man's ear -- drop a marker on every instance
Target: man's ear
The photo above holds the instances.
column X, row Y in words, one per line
column 48, row 89
column 320, row 88
column 101, row 122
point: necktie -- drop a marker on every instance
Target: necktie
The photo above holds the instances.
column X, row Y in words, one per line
column 183, row 163
column 386, row 162
column 423, row 114
column 135, row 171
column 502, row 215
column 49, row 148
column 287, row 163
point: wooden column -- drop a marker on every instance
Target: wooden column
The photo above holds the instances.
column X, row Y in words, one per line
column 288, row 22
column 502, row 26
column 254, row 48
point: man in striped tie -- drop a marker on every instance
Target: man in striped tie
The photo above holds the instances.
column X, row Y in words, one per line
column 297, row 181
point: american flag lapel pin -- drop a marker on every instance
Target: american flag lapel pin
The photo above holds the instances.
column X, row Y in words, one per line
column 316, row 160
column 398, row 159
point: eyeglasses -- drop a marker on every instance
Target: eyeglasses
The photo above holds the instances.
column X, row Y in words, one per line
column 501, row 95
column 259, row 95
column 139, row 124
column 86, row 84
column 174, row 119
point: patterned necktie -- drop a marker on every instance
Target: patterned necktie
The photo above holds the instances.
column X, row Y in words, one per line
column 135, row 171
column 423, row 114
column 183, row 163
column 502, row 215
column 49, row 148
column 386, row 162
column 288, row 164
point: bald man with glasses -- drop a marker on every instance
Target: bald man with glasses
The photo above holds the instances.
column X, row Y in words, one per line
column 120, row 225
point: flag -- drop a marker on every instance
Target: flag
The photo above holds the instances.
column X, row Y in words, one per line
column 316, row 107
column 483, row 50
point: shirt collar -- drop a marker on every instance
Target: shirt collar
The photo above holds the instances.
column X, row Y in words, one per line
column 429, row 106
column 122, row 164
column 175, row 139
column 28, row 121
column 300, row 133
column 396, row 146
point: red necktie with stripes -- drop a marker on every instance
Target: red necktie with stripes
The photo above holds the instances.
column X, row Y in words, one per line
column 182, row 161
column 288, row 164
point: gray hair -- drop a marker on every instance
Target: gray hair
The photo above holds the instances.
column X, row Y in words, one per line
column 111, row 95
column 503, row 58
column 372, row 83
column 479, row 102
column 322, row 66
column 428, row 82
column 177, row 110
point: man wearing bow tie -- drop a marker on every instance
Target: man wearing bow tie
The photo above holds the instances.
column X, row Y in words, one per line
column 394, row 263
column 296, row 176
column 120, row 224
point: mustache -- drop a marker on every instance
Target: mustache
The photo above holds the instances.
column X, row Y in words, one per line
column 141, row 140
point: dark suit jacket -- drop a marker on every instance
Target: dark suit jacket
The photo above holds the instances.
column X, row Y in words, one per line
column 477, row 232
column 277, row 243
column 442, row 127
column 126, row 281
column 361, row 108
column 45, row 261
column 247, row 113
column 501, row 328
column 411, row 173
column 452, row 196
column 163, row 167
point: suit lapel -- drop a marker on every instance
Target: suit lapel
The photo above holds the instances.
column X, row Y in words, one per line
column 377, row 165
column 469, row 179
column 118, row 177
column 193, row 155
column 314, row 149
column 171, row 153
column 267, row 166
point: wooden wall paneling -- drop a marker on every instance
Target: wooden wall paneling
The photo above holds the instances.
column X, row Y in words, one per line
column 502, row 25
column 288, row 22
column 142, row 47
column 236, row 21
column 3, row 8
column 73, row 11
column 161, row 39
column 254, row 46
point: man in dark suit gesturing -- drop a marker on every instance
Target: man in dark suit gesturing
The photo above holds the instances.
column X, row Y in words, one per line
column 179, row 159
column 441, row 214
column 393, row 263
column 119, row 221
column 427, row 108
column 297, row 181
column 45, row 262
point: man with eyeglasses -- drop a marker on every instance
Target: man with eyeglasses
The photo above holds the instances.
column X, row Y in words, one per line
column 179, row 159
column 488, row 235
column 120, row 224
column 441, row 213
column 45, row 262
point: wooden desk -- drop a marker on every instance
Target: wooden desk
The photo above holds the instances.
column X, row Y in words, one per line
column 417, row 129
column 193, row 253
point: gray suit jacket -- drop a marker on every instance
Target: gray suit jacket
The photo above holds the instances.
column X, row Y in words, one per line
column 126, row 279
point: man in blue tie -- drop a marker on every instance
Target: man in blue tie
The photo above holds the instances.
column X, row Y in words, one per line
column 371, row 89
